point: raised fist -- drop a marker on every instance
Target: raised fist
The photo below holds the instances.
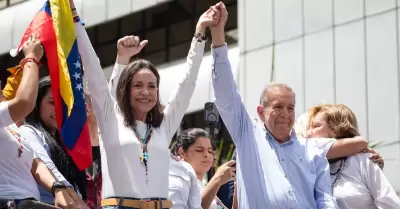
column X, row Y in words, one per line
column 129, row 46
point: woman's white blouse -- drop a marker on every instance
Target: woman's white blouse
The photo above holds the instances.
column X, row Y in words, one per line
column 122, row 172
column 363, row 185
column 16, row 180
column 184, row 190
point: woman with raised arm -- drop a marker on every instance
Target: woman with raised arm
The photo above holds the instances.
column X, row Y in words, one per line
column 135, row 130
column 20, row 167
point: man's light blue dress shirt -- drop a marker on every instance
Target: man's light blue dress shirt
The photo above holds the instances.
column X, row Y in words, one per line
column 270, row 175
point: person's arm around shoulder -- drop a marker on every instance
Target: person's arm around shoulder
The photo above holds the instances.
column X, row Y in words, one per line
column 24, row 101
column 347, row 147
column 379, row 187
column 127, row 47
column 333, row 148
column 323, row 190
column 228, row 100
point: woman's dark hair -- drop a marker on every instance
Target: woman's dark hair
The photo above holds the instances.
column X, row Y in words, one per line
column 59, row 156
column 155, row 115
column 187, row 138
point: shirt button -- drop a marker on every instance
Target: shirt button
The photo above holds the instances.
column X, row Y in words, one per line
column 290, row 192
column 283, row 159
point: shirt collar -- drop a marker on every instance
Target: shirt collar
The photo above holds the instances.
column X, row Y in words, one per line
column 291, row 140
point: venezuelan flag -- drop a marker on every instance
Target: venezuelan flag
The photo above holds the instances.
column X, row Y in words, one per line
column 55, row 26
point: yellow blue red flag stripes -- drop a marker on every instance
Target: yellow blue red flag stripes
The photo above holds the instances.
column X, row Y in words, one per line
column 55, row 26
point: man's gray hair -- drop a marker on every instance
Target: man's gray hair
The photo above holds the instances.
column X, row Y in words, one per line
column 274, row 86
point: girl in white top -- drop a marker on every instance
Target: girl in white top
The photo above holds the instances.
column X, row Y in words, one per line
column 357, row 182
column 136, row 131
column 184, row 190
column 20, row 168
column 194, row 147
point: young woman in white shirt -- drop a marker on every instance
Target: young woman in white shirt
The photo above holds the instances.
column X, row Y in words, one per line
column 357, row 182
column 20, row 168
column 40, row 131
column 194, row 147
column 135, row 130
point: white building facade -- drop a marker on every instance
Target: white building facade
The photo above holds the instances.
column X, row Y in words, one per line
column 332, row 51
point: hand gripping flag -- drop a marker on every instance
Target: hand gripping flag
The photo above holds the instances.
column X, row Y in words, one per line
column 55, row 26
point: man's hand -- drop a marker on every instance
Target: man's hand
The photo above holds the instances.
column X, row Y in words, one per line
column 218, row 30
column 129, row 46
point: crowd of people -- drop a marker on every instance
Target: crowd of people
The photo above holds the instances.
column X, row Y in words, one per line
column 320, row 162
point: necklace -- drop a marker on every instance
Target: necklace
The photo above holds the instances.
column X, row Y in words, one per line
column 18, row 137
column 144, row 141
column 338, row 173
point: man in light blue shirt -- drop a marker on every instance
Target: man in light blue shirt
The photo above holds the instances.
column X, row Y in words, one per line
column 275, row 169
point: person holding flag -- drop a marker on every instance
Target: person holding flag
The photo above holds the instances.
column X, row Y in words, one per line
column 55, row 24
column 136, row 131
column 61, row 137
column 21, row 170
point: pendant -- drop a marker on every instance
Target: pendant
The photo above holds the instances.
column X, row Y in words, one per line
column 146, row 156
column 141, row 158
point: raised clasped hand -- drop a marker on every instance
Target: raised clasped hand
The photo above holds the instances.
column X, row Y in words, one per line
column 223, row 16
column 208, row 19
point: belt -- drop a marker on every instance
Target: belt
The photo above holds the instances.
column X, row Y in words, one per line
column 141, row 204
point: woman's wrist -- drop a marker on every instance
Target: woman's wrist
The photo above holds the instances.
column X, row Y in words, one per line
column 123, row 60
column 30, row 59
column 200, row 28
